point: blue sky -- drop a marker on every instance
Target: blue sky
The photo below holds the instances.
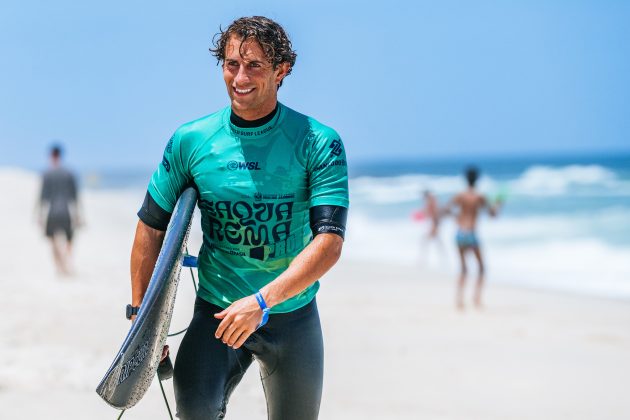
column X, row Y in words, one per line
column 112, row 80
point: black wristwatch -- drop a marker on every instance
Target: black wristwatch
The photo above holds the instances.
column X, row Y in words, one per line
column 131, row 311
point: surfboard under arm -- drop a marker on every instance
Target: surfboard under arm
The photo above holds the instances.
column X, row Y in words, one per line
column 136, row 363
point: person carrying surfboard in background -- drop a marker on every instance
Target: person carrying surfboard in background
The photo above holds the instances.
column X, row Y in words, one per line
column 58, row 210
column 468, row 205
column 273, row 197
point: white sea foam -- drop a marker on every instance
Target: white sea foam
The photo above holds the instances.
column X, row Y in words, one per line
column 538, row 180
column 546, row 180
column 405, row 188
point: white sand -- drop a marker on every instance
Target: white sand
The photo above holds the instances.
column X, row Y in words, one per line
column 395, row 347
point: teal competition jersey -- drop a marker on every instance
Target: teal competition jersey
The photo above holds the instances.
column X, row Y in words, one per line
column 256, row 186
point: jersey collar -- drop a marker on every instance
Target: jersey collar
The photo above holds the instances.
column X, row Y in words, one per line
column 254, row 132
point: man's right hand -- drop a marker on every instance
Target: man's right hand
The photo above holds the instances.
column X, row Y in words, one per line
column 165, row 368
column 164, row 353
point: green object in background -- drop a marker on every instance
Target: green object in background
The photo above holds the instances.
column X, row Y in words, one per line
column 502, row 195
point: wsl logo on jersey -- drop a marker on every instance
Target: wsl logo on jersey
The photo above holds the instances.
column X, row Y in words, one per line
column 251, row 166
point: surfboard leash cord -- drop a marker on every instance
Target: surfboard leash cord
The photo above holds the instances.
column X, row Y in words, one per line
column 194, row 281
column 168, row 407
column 165, row 399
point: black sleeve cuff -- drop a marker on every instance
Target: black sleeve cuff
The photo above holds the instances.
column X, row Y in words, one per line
column 328, row 219
column 153, row 215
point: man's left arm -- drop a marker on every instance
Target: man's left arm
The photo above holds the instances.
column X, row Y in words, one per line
column 241, row 318
column 308, row 266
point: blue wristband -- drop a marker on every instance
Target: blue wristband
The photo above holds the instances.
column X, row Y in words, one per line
column 263, row 306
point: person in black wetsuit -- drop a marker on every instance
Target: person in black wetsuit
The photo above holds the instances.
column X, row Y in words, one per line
column 273, row 198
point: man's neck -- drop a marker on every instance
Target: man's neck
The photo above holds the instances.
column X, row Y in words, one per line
column 241, row 122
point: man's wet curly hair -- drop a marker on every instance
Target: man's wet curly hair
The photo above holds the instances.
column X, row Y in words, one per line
column 271, row 36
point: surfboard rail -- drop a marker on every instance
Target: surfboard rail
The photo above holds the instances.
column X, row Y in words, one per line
column 134, row 367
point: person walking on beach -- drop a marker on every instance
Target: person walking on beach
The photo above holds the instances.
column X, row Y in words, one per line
column 273, row 196
column 469, row 203
column 58, row 209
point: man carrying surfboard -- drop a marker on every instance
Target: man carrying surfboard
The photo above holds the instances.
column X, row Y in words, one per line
column 273, row 196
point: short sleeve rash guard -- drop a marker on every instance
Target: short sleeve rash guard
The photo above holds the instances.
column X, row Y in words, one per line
column 256, row 186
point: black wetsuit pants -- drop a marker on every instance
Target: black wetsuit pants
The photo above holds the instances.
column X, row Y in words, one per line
column 289, row 350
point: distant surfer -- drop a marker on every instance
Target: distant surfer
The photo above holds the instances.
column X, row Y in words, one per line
column 468, row 204
column 273, row 196
column 58, row 210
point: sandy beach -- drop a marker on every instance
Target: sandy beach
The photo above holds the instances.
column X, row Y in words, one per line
column 395, row 346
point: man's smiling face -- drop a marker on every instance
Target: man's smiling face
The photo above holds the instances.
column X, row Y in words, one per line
column 251, row 80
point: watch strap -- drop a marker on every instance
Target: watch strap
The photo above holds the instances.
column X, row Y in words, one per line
column 131, row 311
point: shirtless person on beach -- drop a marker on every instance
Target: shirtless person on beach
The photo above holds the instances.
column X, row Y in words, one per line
column 469, row 203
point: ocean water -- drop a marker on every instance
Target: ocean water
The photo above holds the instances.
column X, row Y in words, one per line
column 565, row 224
